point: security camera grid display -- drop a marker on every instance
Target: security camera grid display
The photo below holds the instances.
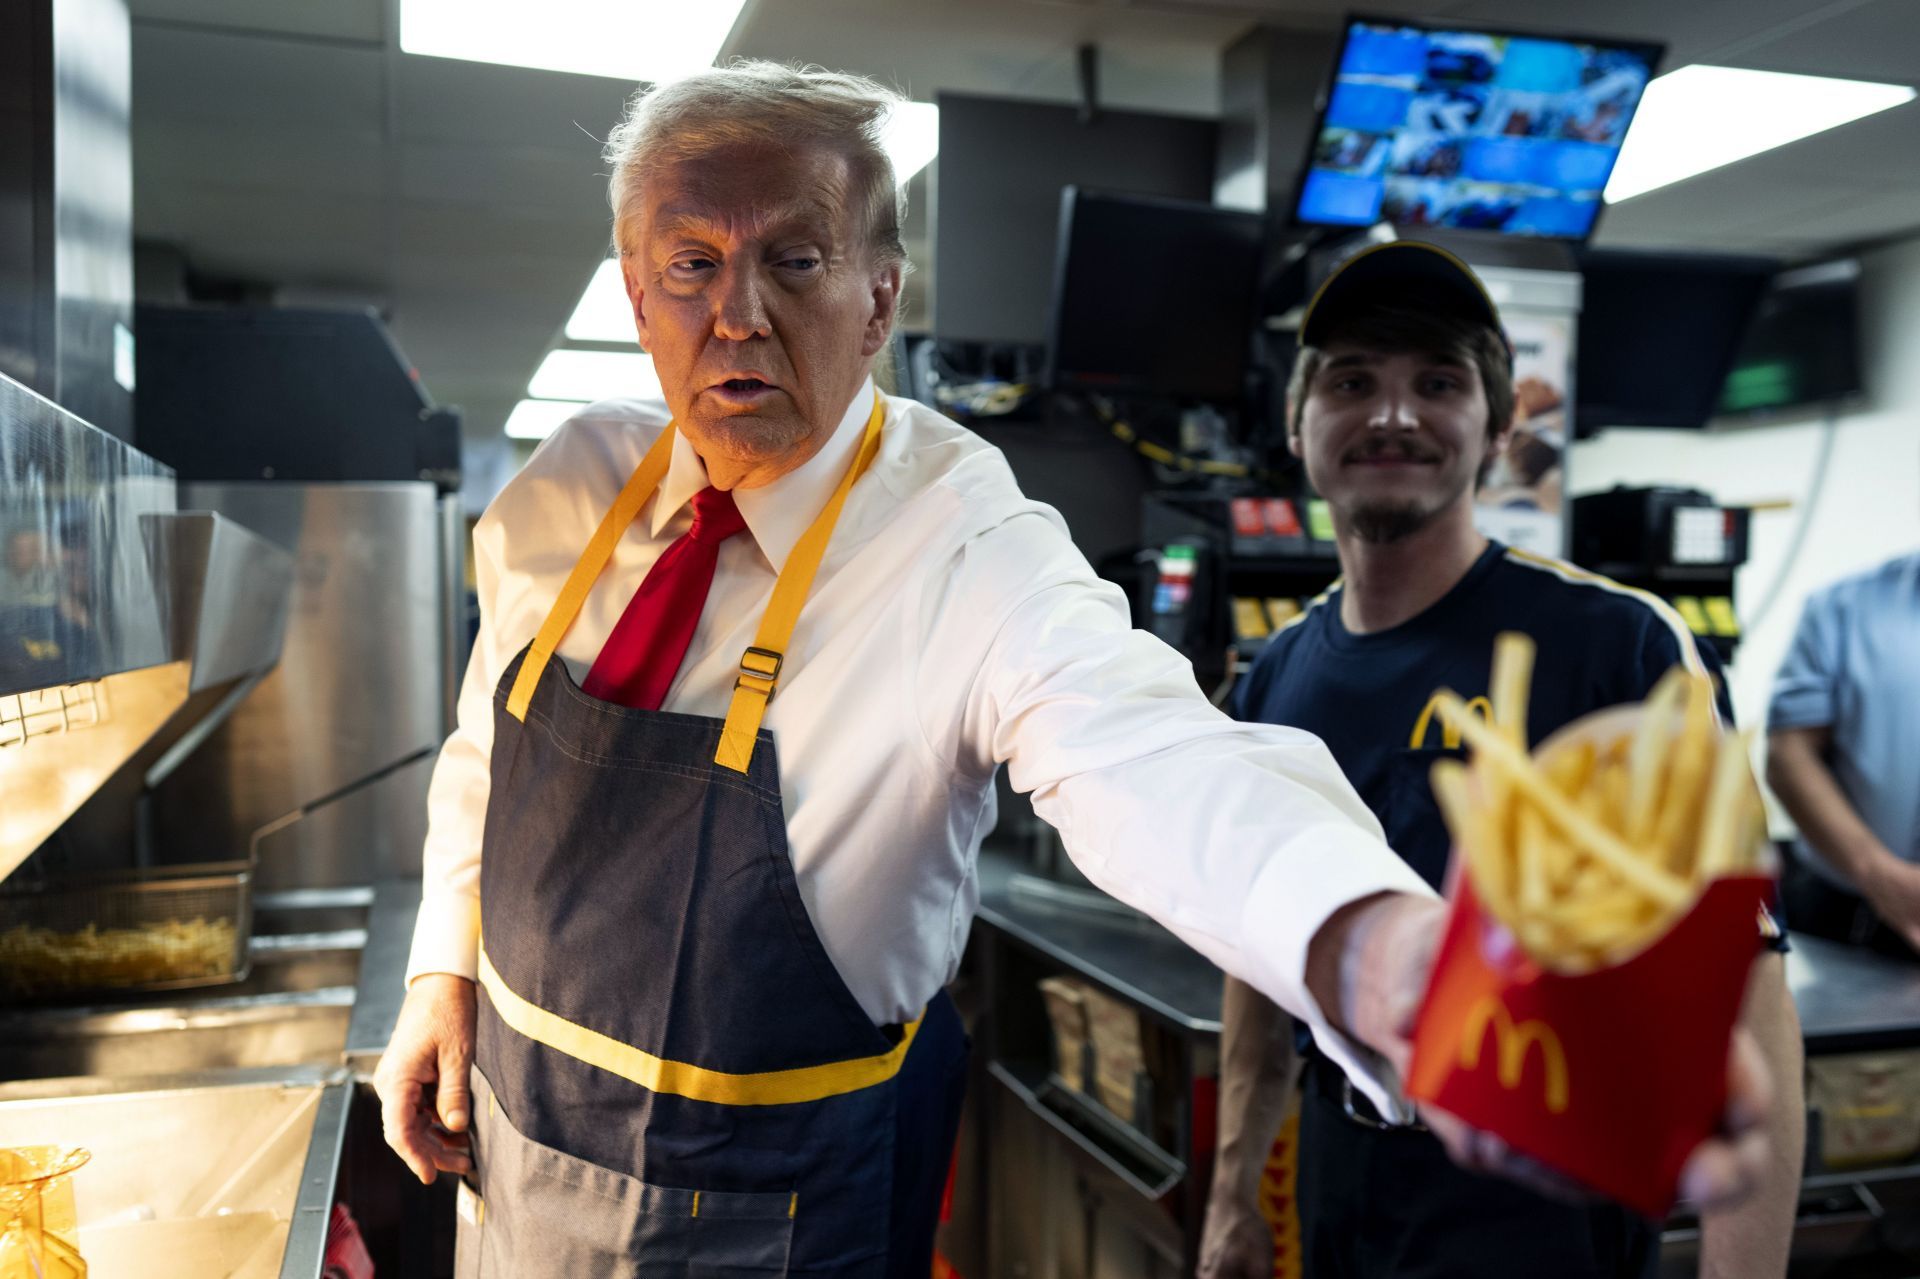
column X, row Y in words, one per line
column 1471, row 130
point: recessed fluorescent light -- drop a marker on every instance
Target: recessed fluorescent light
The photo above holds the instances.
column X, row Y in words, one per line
column 911, row 138
column 1700, row 118
column 595, row 375
column 603, row 314
column 537, row 419
column 651, row 40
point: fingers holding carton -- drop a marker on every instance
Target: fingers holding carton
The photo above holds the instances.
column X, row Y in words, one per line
column 1581, row 1007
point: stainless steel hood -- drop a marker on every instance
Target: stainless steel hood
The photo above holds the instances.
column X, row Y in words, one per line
column 126, row 627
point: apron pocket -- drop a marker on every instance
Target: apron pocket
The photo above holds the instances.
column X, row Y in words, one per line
column 548, row 1213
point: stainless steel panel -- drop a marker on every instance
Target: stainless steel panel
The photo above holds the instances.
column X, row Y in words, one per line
column 66, row 204
column 81, row 759
column 360, row 684
column 227, row 592
column 273, row 1030
column 230, row 1174
column 78, row 596
column 59, row 747
column 93, row 212
column 383, row 970
column 454, row 647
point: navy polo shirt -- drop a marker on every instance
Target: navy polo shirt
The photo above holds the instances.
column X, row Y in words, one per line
column 1369, row 697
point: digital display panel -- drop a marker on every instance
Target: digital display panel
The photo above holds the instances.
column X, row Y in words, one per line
column 1471, row 130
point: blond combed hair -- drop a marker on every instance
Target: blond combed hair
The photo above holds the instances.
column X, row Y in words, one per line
column 752, row 102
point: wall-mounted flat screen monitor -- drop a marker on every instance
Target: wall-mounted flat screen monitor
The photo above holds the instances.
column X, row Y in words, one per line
column 1658, row 332
column 1471, row 130
column 1803, row 348
column 995, row 192
column 1153, row 297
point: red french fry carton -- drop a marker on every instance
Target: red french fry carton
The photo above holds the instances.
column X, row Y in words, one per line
column 1611, row 1076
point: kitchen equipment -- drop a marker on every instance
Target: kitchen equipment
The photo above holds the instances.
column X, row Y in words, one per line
column 143, row 930
column 37, row 1218
column 136, row 930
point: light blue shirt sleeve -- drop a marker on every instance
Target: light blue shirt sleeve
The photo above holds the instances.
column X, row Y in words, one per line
column 1854, row 666
column 1803, row 690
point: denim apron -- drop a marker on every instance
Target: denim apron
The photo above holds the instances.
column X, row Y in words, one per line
column 671, row 1079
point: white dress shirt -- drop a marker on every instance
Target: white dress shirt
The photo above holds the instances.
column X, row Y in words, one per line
column 953, row 627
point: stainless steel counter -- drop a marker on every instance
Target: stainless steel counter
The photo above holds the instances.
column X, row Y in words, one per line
column 1852, row 999
column 1849, row 999
column 1097, row 937
column 383, row 971
column 285, row 1037
column 239, row 1147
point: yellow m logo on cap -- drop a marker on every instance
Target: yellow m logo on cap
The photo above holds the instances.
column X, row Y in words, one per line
column 1449, row 734
column 1511, row 1042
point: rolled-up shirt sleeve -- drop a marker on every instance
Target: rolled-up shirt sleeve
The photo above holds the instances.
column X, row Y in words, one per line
column 1803, row 689
column 1241, row 838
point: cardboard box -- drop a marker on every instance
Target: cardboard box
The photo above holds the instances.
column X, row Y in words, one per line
column 1067, row 1012
column 1869, row 1106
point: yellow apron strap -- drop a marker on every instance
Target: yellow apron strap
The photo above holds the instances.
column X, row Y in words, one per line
column 640, row 485
column 760, row 664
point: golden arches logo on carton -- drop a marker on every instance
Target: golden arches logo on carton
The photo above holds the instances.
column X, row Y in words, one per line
column 1449, row 733
column 1511, row 1043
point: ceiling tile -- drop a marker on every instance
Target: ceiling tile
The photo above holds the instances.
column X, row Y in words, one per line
column 564, row 179
column 1692, row 29
column 237, row 158
column 357, row 20
column 208, row 76
column 449, row 100
column 1875, row 41
column 1869, row 216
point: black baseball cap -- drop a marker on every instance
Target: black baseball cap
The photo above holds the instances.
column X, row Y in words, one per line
column 1401, row 273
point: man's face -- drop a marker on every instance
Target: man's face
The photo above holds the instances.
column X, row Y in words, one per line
column 756, row 293
column 1392, row 439
column 25, row 552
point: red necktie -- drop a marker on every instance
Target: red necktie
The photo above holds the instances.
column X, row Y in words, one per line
column 638, row 663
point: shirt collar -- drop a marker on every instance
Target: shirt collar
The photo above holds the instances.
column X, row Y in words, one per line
column 777, row 514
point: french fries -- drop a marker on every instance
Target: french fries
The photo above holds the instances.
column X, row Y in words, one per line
column 1593, row 847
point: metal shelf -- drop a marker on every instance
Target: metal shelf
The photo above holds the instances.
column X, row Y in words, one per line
column 1117, row 1147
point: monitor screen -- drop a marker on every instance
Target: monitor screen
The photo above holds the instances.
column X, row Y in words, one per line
column 995, row 190
column 1471, row 130
column 1153, row 297
column 1803, row 347
column 1658, row 332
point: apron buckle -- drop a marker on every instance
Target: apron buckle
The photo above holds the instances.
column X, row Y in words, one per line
column 759, row 670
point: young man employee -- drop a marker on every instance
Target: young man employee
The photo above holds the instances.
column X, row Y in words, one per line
column 1402, row 392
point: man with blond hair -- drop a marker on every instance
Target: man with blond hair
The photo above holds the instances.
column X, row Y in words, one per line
column 702, row 848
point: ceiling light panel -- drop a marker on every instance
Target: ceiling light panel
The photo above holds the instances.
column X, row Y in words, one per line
column 649, row 40
column 911, row 138
column 603, row 314
column 537, row 419
column 1700, row 118
column 595, row 375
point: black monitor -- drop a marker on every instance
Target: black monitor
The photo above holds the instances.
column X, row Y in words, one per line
column 996, row 199
column 1658, row 332
column 1471, row 129
column 1803, row 348
column 1153, row 297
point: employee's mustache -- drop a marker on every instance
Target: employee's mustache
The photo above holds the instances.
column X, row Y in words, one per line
column 1391, row 451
